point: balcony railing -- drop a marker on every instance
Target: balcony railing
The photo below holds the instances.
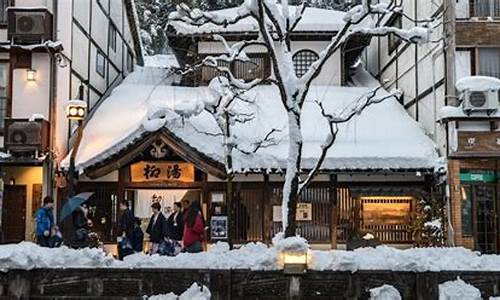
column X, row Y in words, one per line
column 485, row 8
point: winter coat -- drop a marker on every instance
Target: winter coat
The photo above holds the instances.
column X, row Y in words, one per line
column 44, row 219
column 175, row 227
column 193, row 234
column 157, row 230
column 136, row 238
column 126, row 223
column 80, row 229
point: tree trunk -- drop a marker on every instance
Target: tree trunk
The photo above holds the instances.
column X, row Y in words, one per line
column 229, row 184
column 291, row 186
column 291, row 229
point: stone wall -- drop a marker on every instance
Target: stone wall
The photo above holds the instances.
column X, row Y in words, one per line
column 225, row 284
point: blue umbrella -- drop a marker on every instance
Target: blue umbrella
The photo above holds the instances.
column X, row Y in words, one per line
column 73, row 203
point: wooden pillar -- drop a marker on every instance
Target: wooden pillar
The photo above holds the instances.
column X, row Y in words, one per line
column 266, row 210
column 334, row 211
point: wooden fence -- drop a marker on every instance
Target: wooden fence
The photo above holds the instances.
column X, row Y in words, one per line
column 92, row 283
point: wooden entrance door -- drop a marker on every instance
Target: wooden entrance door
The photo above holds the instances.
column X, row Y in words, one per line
column 14, row 213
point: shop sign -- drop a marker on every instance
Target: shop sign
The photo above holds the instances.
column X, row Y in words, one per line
column 303, row 213
column 479, row 142
column 218, row 228
column 149, row 171
column 485, row 176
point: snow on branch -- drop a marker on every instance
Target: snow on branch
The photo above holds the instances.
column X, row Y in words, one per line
column 196, row 17
column 268, row 141
column 334, row 119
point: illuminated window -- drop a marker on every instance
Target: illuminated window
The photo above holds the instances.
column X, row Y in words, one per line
column 303, row 60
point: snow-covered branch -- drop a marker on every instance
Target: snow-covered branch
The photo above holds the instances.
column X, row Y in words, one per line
column 334, row 119
column 268, row 141
column 196, row 17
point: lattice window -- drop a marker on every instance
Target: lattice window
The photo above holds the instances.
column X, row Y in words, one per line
column 303, row 60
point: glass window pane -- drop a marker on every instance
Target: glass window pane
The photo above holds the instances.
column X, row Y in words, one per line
column 466, row 211
column 489, row 62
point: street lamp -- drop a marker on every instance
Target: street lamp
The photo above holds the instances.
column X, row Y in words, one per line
column 75, row 110
column 31, row 75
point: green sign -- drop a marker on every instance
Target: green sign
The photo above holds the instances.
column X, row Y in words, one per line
column 479, row 176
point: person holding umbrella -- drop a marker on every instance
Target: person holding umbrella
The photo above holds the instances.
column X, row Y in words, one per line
column 75, row 207
column 44, row 222
column 80, row 227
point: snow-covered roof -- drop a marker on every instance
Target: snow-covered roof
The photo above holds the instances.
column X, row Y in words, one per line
column 161, row 61
column 382, row 137
column 478, row 83
column 313, row 19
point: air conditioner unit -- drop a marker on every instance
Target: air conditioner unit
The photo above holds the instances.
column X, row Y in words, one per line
column 22, row 135
column 29, row 26
column 480, row 100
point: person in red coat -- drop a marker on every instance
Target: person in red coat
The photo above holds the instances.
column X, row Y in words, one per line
column 194, row 229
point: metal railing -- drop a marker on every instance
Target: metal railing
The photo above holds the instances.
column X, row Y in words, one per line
column 485, row 8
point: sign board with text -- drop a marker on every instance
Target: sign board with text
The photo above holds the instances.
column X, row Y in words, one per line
column 150, row 171
column 479, row 142
column 303, row 213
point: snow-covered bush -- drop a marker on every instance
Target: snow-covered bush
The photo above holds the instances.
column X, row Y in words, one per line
column 458, row 290
column 194, row 292
column 385, row 292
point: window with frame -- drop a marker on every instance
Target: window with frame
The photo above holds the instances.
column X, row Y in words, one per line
column 466, row 210
column 257, row 66
column 112, row 37
column 130, row 62
column 393, row 41
column 3, row 11
column 4, row 91
column 302, row 61
column 100, row 63
column 485, row 8
column 489, row 62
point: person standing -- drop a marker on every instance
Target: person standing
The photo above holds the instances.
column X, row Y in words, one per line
column 80, row 227
column 175, row 223
column 44, row 219
column 126, row 226
column 156, row 227
column 194, row 231
column 137, row 237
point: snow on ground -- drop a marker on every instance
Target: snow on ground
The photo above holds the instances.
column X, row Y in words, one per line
column 369, row 140
column 195, row 292
column 458, row 290
column 26, row 256
column 256, row 256
column 385, row 292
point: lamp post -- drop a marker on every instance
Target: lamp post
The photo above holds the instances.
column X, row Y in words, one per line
column 75, row 110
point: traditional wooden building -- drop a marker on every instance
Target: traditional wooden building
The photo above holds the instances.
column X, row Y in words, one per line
column 48, row 51
column 136, row 146
column 465, row 45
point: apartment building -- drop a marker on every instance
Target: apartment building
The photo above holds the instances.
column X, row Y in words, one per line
column 52, row 51
column 464, row 128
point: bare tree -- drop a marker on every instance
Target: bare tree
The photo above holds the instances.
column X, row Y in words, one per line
column 276, row 24
column 226, row 93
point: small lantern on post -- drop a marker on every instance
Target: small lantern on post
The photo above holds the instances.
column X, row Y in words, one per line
column 294, row 261
column 76, row 110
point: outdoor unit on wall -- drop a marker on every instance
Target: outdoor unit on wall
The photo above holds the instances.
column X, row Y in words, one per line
column 29, row 25
column 25, row 136
column 480, row 100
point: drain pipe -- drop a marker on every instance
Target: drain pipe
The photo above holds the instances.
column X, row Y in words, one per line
column 49, row 176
